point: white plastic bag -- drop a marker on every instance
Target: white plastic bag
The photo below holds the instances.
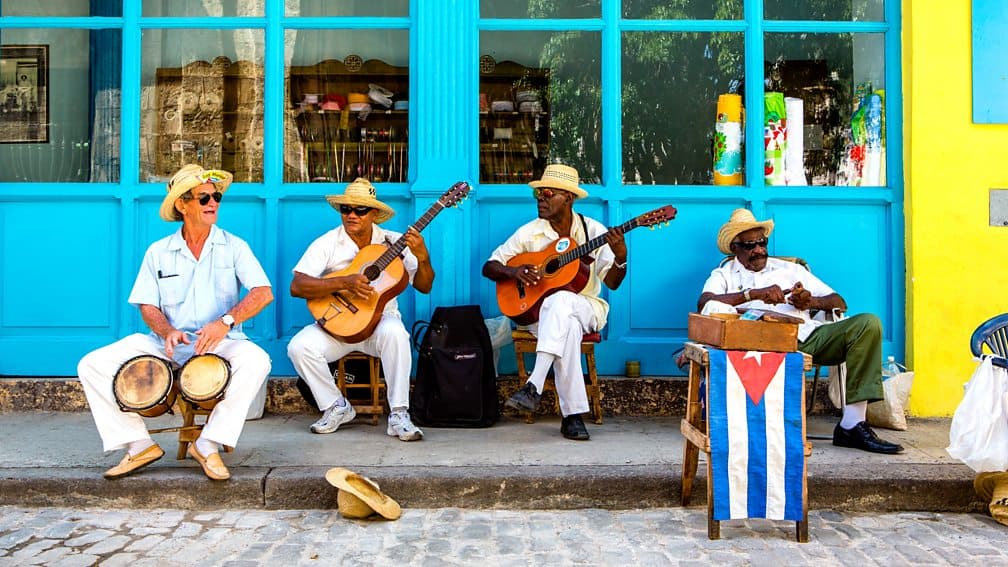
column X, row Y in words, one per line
column 500, row 335
column 837, row 389
column 890, row 412
column 979, row 432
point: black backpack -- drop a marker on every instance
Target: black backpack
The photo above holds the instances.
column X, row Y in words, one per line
column 456, row 383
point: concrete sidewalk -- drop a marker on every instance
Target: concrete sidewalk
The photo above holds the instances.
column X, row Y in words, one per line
column 55, row 459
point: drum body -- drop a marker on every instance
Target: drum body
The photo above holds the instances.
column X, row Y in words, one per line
column 145, row 385
column 203, row 380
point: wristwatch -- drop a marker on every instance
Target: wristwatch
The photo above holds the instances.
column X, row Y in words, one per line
column 745, row 294
column 228, row 320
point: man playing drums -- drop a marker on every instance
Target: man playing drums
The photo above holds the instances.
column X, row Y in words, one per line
column 318, row 275
column 187, row 291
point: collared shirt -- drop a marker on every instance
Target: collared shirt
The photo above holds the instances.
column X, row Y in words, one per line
column 335, row 250
column 536, row 235
column 734, row 277
column 192, row 292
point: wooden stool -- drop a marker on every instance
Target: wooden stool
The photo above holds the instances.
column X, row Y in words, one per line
column 376, row 407
column 695, row 438
column 525, row 343
column 190, row 430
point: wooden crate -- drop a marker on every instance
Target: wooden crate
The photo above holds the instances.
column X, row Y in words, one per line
column 726, row 331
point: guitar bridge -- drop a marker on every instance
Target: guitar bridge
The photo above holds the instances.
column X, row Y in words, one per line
column 346, row 303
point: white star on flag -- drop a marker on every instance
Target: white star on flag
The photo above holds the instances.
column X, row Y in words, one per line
column 758, row 355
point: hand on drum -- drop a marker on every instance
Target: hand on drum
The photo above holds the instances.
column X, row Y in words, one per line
column 173, row 339
column 210, row 336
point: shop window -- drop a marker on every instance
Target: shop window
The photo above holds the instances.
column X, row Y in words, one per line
column 201, row 8
column 539, row 9
column 838, row 10
column 682, row 10
column 671, row 86
column 201, row 102
column 540, row 102
column 346, row 101
column 318, row 8
column 839, row 82
column 59, row 105
column 62, row 8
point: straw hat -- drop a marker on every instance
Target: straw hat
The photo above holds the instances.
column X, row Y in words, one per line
column 740, row 221
column 993, row 488
column 359, row 497
column 563, row 177
column 184, row 180
column 361, row 193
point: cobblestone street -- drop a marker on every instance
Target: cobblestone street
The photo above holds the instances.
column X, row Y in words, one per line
column 66, row 537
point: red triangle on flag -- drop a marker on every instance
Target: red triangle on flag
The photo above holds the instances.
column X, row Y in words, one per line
column 755, row 370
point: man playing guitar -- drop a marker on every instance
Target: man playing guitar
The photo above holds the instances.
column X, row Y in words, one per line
column 313, row 348
column 564, row 316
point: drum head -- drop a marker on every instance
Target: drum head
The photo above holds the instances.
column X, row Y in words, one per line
column 142, row 382
column 204, row 377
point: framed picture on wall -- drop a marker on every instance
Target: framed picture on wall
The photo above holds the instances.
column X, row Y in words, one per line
column 24, row 96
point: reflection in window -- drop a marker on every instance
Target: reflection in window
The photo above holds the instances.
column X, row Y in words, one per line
column 671, row 85
column 202, row 102
column 59, row 105
column 539, row 9
column 347, row 106
column 682, row 10
column 44, row 9
column 839, row 10
column 315, row 8
column 202, row 8
column 540, row 102
column 839, row 81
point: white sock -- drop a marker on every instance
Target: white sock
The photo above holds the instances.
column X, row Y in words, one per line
column 544, row 361
column 137, row 447
column 206, row 446
column 854, row 414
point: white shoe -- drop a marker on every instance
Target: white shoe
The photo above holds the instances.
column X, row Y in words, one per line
column 399, row 425
column 333, row 418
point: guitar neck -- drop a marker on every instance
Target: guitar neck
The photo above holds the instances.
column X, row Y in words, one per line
column 397, row 247
column 597, row 242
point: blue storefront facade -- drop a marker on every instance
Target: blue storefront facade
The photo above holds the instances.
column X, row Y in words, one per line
column 103, row 100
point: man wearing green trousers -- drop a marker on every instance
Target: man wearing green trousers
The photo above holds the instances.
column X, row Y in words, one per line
column 753, row 280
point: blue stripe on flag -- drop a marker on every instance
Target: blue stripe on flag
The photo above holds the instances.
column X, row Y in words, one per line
column 717, row 429
column 794, row 467
column 757, row 496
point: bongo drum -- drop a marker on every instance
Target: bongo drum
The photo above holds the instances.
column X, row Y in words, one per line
column 145, row 385
column 203, row 379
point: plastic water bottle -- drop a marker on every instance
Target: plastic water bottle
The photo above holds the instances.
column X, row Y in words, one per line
column 890, row 368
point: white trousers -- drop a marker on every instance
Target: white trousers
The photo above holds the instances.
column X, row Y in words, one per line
column 563, row 319
column 312, row 349
column 250, row 365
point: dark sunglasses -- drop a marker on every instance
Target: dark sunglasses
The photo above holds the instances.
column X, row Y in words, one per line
column 360, row 210
column 750, row 244
column 542, row 193
column 205, row 198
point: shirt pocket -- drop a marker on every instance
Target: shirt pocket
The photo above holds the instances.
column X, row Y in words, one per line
column 172, row 293
column 226, row 286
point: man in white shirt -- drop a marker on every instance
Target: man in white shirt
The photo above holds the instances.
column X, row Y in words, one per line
column 564, row 316
column 188, row 294
column 312, row 349
column 753, row 280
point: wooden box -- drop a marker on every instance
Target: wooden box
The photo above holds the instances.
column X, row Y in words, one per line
column 726, row 331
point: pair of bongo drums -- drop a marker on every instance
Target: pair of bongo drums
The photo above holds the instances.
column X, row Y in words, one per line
column 149, row 385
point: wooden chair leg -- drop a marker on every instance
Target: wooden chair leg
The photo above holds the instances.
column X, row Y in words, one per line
column 691, row 453
column 186, row 435
column 713, row 526
column 594, row 392
column 375, row 386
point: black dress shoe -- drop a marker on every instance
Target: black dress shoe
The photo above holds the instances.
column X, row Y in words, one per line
column 862, row 437
column 573, row 427
column 526, row 399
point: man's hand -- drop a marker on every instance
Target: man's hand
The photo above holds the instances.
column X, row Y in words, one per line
column 800, row 297
column 210, row 336
column 772, row 294
column 617, row 244
column 416, row 244
column 172, row 339
column 526, row 274
column 357, row 285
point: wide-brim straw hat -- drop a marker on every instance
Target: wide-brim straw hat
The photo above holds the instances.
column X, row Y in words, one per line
column 184, row 180
column 359, row 497
column 992, row 487
column 563, row 177
column 361, row 193
column 740, row 221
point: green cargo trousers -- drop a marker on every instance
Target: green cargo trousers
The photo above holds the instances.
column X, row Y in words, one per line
column 857, row 341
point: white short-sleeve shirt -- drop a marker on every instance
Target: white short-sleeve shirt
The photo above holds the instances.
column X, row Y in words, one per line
column 536, row 235
column 192, row 292
column 335, row 250
column 734, row 277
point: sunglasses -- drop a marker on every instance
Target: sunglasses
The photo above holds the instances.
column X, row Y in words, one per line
column 359, row 210
column 542, row 193
column 750, row 244
column 205, row 197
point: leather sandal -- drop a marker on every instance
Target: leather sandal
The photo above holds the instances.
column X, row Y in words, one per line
column 213, row 466
column 129, row 464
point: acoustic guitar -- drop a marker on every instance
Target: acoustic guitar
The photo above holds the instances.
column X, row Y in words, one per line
column 561, row 268
column 353, row 319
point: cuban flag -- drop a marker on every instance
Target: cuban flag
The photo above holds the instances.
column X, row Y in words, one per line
column 756, row 434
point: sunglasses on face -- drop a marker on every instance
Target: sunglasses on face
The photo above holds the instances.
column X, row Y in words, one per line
column 543, row 193
column 359, row 210
column 205, row 197
column 751, row 244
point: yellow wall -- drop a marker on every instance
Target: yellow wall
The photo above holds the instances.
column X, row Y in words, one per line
column 956, row 275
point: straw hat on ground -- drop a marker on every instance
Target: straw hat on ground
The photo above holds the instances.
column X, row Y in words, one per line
column 359, row 497
column 993, row 488
column 563, row 177
column 361, row 193
column 184, row 180
column 740, row 221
